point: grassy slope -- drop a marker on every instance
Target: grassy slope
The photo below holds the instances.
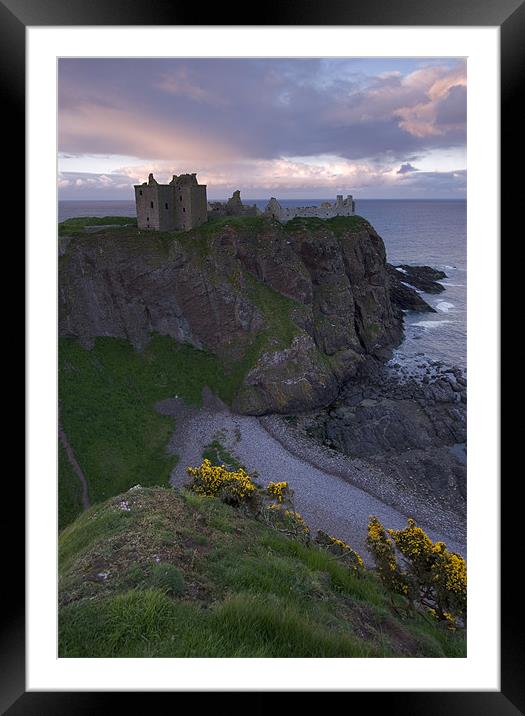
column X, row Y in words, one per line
column 107, row 398
column 69, row 491
column 158, row 572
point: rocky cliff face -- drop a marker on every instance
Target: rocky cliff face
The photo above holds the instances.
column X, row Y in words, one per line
column 292, row 309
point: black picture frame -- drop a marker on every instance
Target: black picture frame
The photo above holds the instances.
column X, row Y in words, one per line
column 15, row 16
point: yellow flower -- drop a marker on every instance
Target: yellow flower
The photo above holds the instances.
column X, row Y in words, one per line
column 277, row 489
column 212, row 480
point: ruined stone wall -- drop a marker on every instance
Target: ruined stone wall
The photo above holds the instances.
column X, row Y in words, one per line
column 327, row 210
column 233, row 207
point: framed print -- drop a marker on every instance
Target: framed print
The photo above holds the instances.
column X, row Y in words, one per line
column 248, row 342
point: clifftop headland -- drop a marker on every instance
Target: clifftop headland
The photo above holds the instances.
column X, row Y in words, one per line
column 291, row 310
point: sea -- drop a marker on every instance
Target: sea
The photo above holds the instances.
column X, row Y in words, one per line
column 418, row 232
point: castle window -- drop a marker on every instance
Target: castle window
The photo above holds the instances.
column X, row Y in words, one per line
column 151, row 204
column 180, row 197
column 166, row 205
column 184, row 209
column 140, row 192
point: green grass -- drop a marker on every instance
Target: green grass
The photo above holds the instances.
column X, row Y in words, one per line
column 69, row 489
column 77, row 224
column 148, row 624
column 217, row 454
column 167, row 578
column 247, row 223
column 88, row 530
column 341, row 579
column 187, row 576
column 277, row 310
column 107, row 398
column 338, row 225
column 198, row 242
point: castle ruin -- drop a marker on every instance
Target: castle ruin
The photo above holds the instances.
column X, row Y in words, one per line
column 179, row 205
column 233, row 207
column 182, row 205
column 327, row 210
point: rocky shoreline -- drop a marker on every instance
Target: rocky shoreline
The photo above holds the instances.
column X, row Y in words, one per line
column 429, row 510
column 407, row 423
column 414, row 432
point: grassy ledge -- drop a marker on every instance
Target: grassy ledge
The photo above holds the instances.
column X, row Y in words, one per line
column 338, row 225
column 77, row 225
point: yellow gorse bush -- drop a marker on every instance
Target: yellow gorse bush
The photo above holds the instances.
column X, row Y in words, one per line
column 433, row 577
column 288, row 521
column 341, row 551
column 430, row 577
column 278, row 490
column 232, row 486
column 298, row 520
column 281, row 513
column 384, row 554
column 412, row 542
column 350, row 556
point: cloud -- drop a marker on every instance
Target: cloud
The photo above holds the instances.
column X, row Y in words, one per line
column 183, row 83
column 316, row 177
column 405, row 168
column 452, row 109
column 257, row 109
column 109, row 130
column 428, row 118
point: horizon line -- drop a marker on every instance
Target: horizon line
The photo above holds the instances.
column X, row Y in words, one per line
column 296, row 198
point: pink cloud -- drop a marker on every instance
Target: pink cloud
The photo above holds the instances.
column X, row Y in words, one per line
column 420, row 119
column 114, row 130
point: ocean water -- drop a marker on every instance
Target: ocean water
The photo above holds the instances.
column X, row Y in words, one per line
column 420, row 232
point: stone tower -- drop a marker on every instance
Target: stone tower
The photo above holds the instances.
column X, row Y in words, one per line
column 179, row 205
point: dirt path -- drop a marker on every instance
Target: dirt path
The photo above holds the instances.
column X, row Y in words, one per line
column 327, row 501
column 76, row 467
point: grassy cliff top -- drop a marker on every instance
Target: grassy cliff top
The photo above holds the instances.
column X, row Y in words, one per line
column 159, row 572
column 337, row 224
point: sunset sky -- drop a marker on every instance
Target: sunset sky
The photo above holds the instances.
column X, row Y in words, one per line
column 290, row 128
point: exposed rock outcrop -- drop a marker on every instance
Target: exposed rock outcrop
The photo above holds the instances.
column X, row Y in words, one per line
column 416, row 430
column 403, row 295
column 424, row 278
